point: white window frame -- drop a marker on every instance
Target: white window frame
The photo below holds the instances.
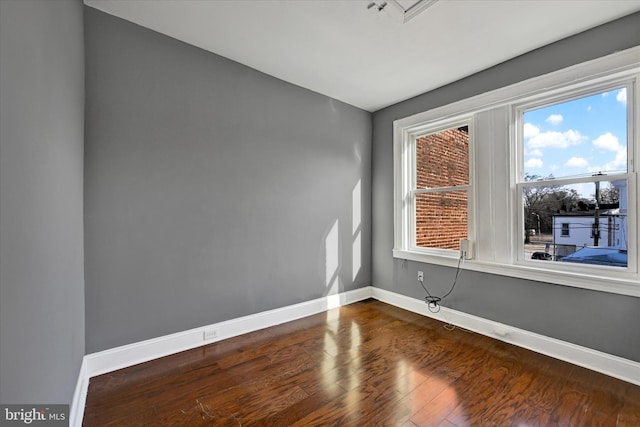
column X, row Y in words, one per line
column 495, row 201
column 576, row 92
column 409, row 189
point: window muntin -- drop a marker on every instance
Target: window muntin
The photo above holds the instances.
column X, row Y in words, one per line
column 574, row 170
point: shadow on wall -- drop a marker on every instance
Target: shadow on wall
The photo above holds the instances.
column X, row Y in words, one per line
column 332, row 238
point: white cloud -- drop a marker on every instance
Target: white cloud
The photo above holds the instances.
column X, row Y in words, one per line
column 620, row 162
column 608, row 142
column 530, row 130
column 622, row 96
column 555, row 139
column 577, row 162
column 534, row 163
column 589, row 108
column 535, row 153
column 554, row 119
column 617, row 164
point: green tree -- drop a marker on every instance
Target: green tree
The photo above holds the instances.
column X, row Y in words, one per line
column 609, row 195
column 542, row 202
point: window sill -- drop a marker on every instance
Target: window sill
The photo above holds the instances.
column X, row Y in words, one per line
column 603, row 279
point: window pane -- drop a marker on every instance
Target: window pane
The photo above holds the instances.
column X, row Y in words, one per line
column 584, row 136
column 441, row 219
column 442, row 158
column 579, row 223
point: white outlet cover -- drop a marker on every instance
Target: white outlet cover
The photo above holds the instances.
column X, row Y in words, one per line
column 210, row 334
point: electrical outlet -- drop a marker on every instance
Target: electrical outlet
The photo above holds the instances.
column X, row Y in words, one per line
column 466, row 248
column 420, row 276
column 210, row 334
column 501, row 332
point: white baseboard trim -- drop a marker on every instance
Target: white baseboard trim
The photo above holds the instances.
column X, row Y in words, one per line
column 76, row 409
column 614, row 366
column 143, row 351
column 128, row 355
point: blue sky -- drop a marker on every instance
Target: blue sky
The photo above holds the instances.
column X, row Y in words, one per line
column 580, row 137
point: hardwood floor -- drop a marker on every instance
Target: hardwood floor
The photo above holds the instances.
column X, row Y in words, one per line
column 366, row 364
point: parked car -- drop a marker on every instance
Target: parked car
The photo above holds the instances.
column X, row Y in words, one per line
column 542, row 255
column 598, row 256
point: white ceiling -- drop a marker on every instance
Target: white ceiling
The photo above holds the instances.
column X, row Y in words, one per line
column 366, row 58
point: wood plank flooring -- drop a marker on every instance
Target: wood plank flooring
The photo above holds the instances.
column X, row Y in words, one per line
column 366, row 364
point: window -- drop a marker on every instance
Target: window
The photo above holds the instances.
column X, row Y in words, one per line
column 539, row 177
column 574, row 155
column 437, row 187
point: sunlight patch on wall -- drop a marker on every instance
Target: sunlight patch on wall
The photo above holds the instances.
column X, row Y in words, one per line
column 332, row 259
column 356, row 229
column 356, row 207
column 357, row 255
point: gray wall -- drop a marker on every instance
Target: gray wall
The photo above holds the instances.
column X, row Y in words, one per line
column 212, row 191
column 41, row 155
column 598, row 320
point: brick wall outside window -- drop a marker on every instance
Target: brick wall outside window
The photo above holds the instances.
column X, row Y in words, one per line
column 442, row 160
